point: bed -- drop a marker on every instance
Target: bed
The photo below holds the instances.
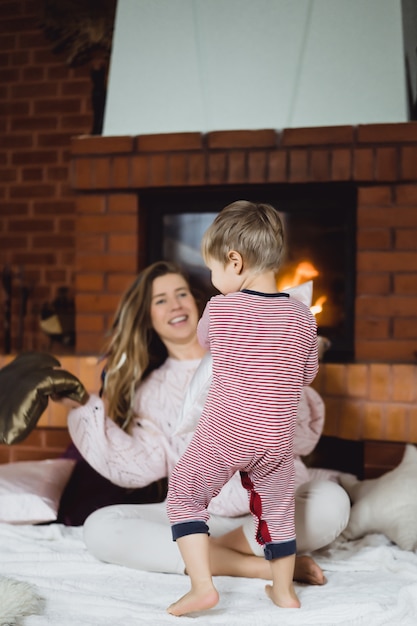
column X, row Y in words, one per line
column 369, row 581
column 371, row 570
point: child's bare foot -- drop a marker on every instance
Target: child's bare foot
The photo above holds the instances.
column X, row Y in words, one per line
column 201, row 599
column 307, row 571
column 287, row 600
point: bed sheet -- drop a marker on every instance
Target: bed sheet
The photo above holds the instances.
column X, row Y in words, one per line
column 369, row 581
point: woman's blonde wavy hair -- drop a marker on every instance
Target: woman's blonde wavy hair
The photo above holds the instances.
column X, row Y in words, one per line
column 134, row 348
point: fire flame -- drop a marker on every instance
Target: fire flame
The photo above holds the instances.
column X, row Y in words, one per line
column 317, row 307
column 303, row 272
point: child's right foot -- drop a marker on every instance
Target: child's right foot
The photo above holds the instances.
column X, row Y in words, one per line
column 195, row 600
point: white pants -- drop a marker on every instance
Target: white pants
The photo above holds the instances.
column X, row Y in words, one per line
column 139, row 535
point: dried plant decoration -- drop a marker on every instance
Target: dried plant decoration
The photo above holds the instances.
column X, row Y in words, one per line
column 83, row 31
column 79, row 28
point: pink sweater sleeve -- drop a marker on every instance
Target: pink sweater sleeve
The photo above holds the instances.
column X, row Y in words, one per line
column 149, row 450
column 310, row 421
column 308, row 429
column 129, row 460
column 203, row 329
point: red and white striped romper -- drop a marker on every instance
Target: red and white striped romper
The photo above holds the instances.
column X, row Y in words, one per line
column 264, row 349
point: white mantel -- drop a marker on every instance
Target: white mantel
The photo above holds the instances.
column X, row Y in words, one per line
column 202, row 65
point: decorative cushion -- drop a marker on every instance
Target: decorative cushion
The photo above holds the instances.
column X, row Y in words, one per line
column 30, row 491
column 195, row 396
column 25, row 386
column 387, row 504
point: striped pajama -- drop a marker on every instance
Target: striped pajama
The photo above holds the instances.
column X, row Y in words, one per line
column 264, row 349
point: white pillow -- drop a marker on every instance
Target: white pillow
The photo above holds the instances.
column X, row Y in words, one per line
column 199, row 386
column 195, row 397
column 303, row 293
column 387, row 504
column 30, row 491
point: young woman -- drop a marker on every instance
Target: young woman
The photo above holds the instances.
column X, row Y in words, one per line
column 129, row 437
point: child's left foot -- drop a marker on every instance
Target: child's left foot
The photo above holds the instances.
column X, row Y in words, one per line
column 286, row 600
column 195, row 600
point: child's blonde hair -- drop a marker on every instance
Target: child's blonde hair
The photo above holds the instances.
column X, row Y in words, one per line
column 254, row 230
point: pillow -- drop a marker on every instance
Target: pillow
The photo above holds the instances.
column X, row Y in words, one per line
column 198, row 388
column 303, row 293
column 387, row 504
column 30, row 491
column 195, row 397
column 25, row 386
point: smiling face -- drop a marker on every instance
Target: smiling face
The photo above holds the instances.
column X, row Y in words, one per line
column 174, row 313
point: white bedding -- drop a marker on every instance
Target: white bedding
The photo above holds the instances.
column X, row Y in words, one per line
column 370, row 582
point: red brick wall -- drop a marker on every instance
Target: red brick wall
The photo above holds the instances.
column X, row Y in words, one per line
column 110, row 172
column 43, row 104
column 386, row 301
column 42, row 443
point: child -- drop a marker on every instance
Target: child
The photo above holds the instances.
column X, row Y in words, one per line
column 264, row 349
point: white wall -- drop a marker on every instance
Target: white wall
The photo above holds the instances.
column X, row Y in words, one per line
column 409, row 9
column 202, row 65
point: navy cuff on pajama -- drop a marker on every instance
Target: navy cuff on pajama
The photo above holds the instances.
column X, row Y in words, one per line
column 279, row 550
column 195, row 527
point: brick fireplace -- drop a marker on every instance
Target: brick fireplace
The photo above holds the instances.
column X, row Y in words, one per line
column 373, row 397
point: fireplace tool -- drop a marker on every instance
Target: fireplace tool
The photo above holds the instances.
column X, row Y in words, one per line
column 24, row 295
column 7, row 279
column 7, row 286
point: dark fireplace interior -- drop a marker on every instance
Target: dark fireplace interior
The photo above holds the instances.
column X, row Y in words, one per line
column 320, row 226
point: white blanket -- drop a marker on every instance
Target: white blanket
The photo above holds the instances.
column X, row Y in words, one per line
column 370, row 582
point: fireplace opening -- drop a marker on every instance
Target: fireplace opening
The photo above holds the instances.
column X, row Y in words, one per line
column 320, row 227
